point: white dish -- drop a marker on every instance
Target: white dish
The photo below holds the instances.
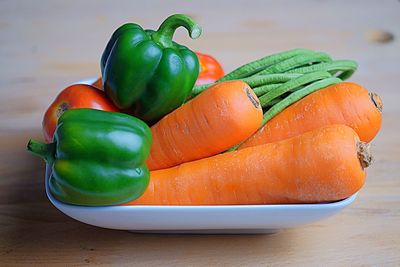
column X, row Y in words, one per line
column 230, row 219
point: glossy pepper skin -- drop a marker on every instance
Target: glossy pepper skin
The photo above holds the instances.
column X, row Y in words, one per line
column 210, row 71
column 147, row 74
column 97, row 157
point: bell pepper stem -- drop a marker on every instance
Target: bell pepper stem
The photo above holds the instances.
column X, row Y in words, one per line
column 45, row 151
column 167, row 29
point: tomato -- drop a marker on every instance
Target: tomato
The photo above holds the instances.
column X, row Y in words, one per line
column 72, row 97
column 210, row 69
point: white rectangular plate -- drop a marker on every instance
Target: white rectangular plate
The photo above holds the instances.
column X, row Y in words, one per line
column 229, row 219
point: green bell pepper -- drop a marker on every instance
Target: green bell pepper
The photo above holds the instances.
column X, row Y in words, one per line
column 147, row 74
column 97, row 157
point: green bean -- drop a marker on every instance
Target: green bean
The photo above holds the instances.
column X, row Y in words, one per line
column 197, row 89
column 255, row 81
column 296, row 96
column 292, row 85
column 274, row 101
column 347, row 73
column 296, row 61
column 278, row 68
column 346, row 67
column 261, row 90
column 278, row 99
column 262, row 63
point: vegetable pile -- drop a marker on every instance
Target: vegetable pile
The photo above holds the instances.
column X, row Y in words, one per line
column 165, row 126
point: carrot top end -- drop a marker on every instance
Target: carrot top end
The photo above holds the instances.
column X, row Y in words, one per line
column 364, row 155
column 376, row 99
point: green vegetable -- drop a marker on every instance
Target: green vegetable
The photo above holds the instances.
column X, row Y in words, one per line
column 346, row 68
column 257, row 80
column 261, row 90
column 97, row 157
column 262, row 63
column 291, row 85
column 279, row 68
column 145, row 72
column 296, row 61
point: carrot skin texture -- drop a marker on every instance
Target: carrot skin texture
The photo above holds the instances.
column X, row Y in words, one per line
column 344, row 103
column 217, row 119
column 318, row 166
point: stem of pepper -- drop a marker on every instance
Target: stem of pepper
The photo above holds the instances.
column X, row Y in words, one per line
column 45, row 151
column 167, row 29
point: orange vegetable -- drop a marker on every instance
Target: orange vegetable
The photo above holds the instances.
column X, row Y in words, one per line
column 343, row 103
column 210, row 69
column 220, row 117
column 318, row 166
column 74, row 96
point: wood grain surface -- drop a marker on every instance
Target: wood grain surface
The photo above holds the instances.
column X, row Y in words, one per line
column 46, row 45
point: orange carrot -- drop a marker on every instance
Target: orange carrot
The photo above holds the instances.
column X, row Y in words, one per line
column 343, row 103
column 217, row 119
column 326, row 164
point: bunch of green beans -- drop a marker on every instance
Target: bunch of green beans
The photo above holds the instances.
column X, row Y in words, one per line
column 281, row 79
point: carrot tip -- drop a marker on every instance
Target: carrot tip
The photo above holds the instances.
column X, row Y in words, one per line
column 364, row 155
column 376, row 99
column 253, row 98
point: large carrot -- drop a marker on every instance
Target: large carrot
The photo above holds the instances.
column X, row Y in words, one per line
column 326, row 164
column 343, row 103
column 217, row 119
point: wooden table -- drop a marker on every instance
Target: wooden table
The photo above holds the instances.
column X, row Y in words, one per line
column 47, row 45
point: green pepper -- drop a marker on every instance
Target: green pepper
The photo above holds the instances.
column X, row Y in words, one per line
column 147, row 74
column 96, row 157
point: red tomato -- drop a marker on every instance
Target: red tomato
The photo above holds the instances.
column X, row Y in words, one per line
column 210, row 69
column 74, row 96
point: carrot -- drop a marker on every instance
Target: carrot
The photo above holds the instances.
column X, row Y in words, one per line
column 326, row 164
column 343, row 103
column 220, row 117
